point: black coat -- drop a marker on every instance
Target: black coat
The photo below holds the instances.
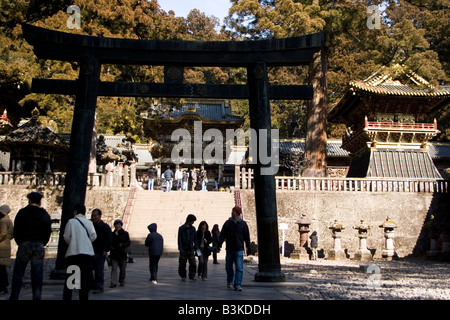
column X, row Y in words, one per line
column 32, row 223
column 154, row 241
column 235, row 233
column 120, row 243
column 206, row 239
column 104, row 237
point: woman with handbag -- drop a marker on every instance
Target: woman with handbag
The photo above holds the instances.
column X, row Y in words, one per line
column 204, row 239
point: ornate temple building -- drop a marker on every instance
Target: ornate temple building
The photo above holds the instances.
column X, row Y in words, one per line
column 197, row 117
column 387, row 116
column 32, row 146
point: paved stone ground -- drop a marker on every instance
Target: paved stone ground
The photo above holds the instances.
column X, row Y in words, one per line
column 402, row 279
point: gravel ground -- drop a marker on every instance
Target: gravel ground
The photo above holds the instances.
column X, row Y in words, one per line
column 402, row 279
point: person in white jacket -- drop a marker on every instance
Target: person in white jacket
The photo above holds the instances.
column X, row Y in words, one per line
column 79, row 235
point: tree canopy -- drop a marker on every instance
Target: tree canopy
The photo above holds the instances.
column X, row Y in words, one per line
column 411, row 32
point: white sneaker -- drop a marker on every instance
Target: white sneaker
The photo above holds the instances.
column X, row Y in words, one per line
column 154, row 282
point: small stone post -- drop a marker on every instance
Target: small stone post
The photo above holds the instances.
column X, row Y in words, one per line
column 337, row 253
column 303, row 228
column 389, row 251
column 363, row 254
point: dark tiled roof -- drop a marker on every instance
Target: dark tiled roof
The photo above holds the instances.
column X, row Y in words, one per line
column 333, row 147
column 402, row 164
column 208, row 111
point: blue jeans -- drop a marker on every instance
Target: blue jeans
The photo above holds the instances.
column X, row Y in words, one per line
column 179, row 183
column 204, row 185
column 28, row 252
column 234, row 275
column 150, row 184
column 168, row 185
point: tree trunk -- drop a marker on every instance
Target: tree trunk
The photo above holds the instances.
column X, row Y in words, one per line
column 316, row 135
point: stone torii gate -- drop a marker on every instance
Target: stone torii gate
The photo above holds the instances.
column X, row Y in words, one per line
column 91, row 52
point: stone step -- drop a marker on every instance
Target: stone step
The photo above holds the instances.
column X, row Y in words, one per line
column 169, row 210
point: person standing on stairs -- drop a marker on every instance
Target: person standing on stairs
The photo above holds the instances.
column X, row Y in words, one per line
column 187, row 245
column 168, row 176
column 152, row 173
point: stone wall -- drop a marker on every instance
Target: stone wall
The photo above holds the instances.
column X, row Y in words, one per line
column 408, row 210
column 111, row 201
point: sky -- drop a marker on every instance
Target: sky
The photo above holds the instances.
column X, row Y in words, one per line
column 217, row 8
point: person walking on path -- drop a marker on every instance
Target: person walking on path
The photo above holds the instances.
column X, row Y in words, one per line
column 168, row 176
column 152, row 173
column 236, row 234
column 187, row 245
column 6, row 234
column 204, row 239
column 154, row 242
column 79, row 235
column 102, row 245
column 119, row 256
column 32, row 230
column 215, row 233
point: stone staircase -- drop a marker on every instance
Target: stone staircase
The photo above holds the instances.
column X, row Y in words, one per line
column 169, row 210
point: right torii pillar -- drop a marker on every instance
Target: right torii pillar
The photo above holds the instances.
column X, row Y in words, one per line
column 316, row 134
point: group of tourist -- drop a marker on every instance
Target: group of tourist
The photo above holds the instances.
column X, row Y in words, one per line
column 202, row 243
column 91, row 242
column 88, row 244
column 185, row 179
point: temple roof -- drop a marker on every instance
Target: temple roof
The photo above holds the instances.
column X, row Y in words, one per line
column 32, row 133
column 395, row 89
column 206, row 111
column 397, row 80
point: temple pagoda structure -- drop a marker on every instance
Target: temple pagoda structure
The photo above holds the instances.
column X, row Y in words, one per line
column 32, row 146
column 387, row 129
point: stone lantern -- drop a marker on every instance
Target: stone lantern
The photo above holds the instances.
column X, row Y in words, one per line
column 388, row 251
column 303, row 229
column 363, row 254
column 52, row 247
column 337, row 253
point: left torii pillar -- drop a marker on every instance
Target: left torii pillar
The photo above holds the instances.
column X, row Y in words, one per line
column 80, row 150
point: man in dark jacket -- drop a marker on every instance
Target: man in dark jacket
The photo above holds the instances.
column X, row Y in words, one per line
column 154, row 242
column 187, row 244
column 119, row 256
column 32, row 230
column 101, row 245
column 152, row 173
column 236, row 233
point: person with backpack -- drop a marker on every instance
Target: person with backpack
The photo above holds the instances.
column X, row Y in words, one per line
column 79, row 234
